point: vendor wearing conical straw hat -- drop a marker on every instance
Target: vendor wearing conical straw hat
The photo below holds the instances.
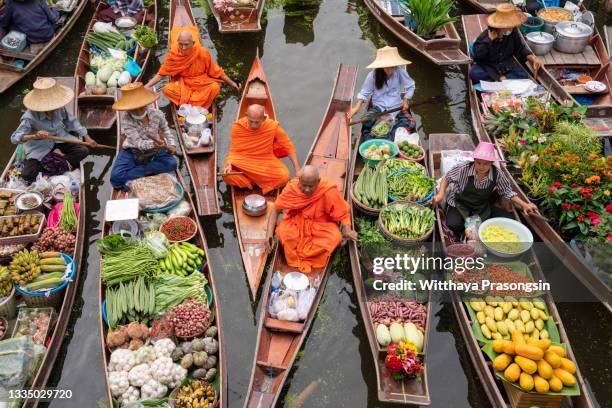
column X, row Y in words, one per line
column 148, row 145
column 473, row 187
column 383, row 89
column 46, row 116
column 496, row 48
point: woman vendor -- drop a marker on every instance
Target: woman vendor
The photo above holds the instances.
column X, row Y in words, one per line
column 474, row 186
column 384, row 86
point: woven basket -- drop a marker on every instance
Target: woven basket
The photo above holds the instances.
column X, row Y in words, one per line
column 362, row 207
column 5, row 325
column 8, row 307
column 174, row 393
column 400, row 240
column 52, row 300
column 181, row 240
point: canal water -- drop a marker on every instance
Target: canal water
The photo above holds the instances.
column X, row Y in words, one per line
column 301, row 45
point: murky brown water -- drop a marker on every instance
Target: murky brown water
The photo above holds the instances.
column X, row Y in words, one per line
column 301, row 45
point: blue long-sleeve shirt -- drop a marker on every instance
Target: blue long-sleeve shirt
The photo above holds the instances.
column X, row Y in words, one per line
column 59, row 124
column 389, row 96
column 32, row 17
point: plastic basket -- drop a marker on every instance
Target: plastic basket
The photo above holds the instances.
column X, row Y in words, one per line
column 533, row 24
column 51, row 297
column 424, row 201
column 8, row 306
column 415, row 159
column 378, row 143
column 24, row 239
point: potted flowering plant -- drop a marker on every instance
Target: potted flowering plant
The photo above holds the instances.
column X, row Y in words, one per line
column 403, row 362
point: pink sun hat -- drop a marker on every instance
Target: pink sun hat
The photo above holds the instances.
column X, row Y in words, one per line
column 485, row 151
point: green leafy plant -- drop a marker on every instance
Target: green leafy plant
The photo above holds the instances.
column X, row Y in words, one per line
column 429, row 15
column 576, row 138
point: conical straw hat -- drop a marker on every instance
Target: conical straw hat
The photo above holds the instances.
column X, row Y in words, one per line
column 134, row 96
column 506, row 16
column 47, row 95
column 388, row 57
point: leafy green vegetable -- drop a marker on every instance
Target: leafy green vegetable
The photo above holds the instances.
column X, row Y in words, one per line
column 368, row 232
column 576, row 138
column 393, row 164
column 112, row 243
column 410, row 185
column 68, row 219
column 146, row 36
column 429, row 15
column 171, row 290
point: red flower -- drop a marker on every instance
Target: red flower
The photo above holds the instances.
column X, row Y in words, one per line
column 609, row 208
column 575, row 185
column 556, row 184
column 576, row 114
column 581, row 218
column 595, row 221
column 609, row 237
column 592, row 214
column 577, row 206
column 566, row 206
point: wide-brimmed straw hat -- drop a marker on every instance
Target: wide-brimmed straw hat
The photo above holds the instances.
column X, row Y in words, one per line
column 47, row 95
column 134, row 96
column 506, row 16
column 388, row 57
column 485, row 151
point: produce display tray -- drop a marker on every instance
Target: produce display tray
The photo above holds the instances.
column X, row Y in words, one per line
column 24, row 310
column 10, row 200
column 24, row 239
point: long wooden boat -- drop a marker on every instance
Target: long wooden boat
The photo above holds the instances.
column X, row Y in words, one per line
column 408, row 391
column 472, row 25
column 95, row 111
column 200, row 241
column 278, row 341
column 10, row 73
column 64, row 311
column 443, row 49
column 608, row 34
column 499, row 393
column 240, row 19
column 485, row 6
column 201, row 161
column 251, row 231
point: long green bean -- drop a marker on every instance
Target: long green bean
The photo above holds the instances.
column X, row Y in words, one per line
column 129, row 264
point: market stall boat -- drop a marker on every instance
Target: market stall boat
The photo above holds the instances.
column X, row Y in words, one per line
column 10, row 72
column 473, row 25
column 407, row 391
column 198, row 240
column 499, row 392
column 279, row 341
column 239, row 18
column 201, row 161
column 484, row 6
column 444, row 48
column 251, row 230
column 608, row 34
column 57, row 330
column 95, row 111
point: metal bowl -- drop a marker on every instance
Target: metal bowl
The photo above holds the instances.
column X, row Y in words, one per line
column 20, row 204
column 255, row 205
column 125, row 23
column 540, row 42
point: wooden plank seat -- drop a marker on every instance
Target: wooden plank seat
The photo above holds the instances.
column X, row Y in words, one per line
column 282, row 325
column 586, row 57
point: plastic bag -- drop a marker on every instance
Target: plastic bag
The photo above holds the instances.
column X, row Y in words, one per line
column 155, row 191
column 305, row 299
column 452, row 158
column 16, row 183
column 283, row 305
column 471, row 227
column 16, row 358
column 187, row 110
column 290, row 315
column 151, row 222
column 42, row 185
column 383, row 126
column 183, row 209
column 157, row 242
column 53, row 218
column 401, row 134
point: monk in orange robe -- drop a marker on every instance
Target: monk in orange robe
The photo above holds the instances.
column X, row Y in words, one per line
column 308, row 231
column 256, row 143
column 194, row 76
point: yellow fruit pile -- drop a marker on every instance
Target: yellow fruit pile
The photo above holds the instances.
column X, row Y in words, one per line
column 25, row 266
column 499, row 317
column 6, row 282
column 537, row 363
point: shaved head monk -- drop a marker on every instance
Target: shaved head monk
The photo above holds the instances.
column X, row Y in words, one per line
column 194, row 76
column 256, row 145
column 309, row 231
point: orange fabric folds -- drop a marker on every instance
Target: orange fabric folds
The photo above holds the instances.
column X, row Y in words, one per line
column 194, row 74
column 252, row 153
column 309, row 231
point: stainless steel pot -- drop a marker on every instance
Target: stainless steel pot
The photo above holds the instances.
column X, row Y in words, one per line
column 571, row 36
column 255, row 205
column 540, row 42
column 549, row 25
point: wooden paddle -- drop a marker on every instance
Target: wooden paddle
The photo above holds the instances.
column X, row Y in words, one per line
column 532, row 214
column 78, row 142
column 370, row 116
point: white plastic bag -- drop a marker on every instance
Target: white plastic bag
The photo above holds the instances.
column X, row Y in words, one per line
column 451, row 158
column 401, row 134
column 290, row 315
column 305, row 299
column 187, row 110
column 205, row 137
column 182, row 209
column 15, row 183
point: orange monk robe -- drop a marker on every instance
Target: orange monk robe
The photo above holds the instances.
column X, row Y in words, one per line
column 194, row 74
column 254, row 153
column 309, row 230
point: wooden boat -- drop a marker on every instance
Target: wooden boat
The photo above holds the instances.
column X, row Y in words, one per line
column 608, row 34
column 500, row 394
column 10, row 73
column 240, row 19
column 279, row 341
column 96, row 111
column 200, row 241
column 472, row 25
column 408, row 391
column 201, row 161
column 485, row 6
column 443, row 49
column 64, row 311
column 251, row 231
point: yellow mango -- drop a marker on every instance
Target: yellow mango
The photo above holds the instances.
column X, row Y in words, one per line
column 525, row 304
column 529, row 326
column 498, row 345
column 541, row 385
column 498, row 314
column 566, row 378
column 476, row 304
column 512, row 373
column 527, row 365
column 497, row 335
column 489, row 311
column 535, row 334
column 544, row 369
column 552, row 358
column 520, row 326
column 528, row 351
column 501, row 362
column 526, row 382
column 506, row 307
column 491, row 324
column 543, row 315
column 517, row 337
column 510, row 325
column 485, row 331
column 508, row 348
column 544, row 334
column 539, row 323
column 480, row 316
column 525, row 316
column 543, row 344
column 558, row 350
column 555, row 384
column 491, row 301
column 535, row 314
column 568, row 365
column 539, row 303
column 513, row 314
column 501, row 328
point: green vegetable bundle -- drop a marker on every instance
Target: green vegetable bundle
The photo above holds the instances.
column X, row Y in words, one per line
column 68, row 219
column 410, row 150
column 429, row 15
column 146, row 36
column 394, row 164
column 132, row 302
column 410, row 185
column 183, row 259
column 368, row 232
column 172, row 290
column 111, row 243
column 370, row 189
column 407, row 220
column 128, row 264
column 109, row 39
